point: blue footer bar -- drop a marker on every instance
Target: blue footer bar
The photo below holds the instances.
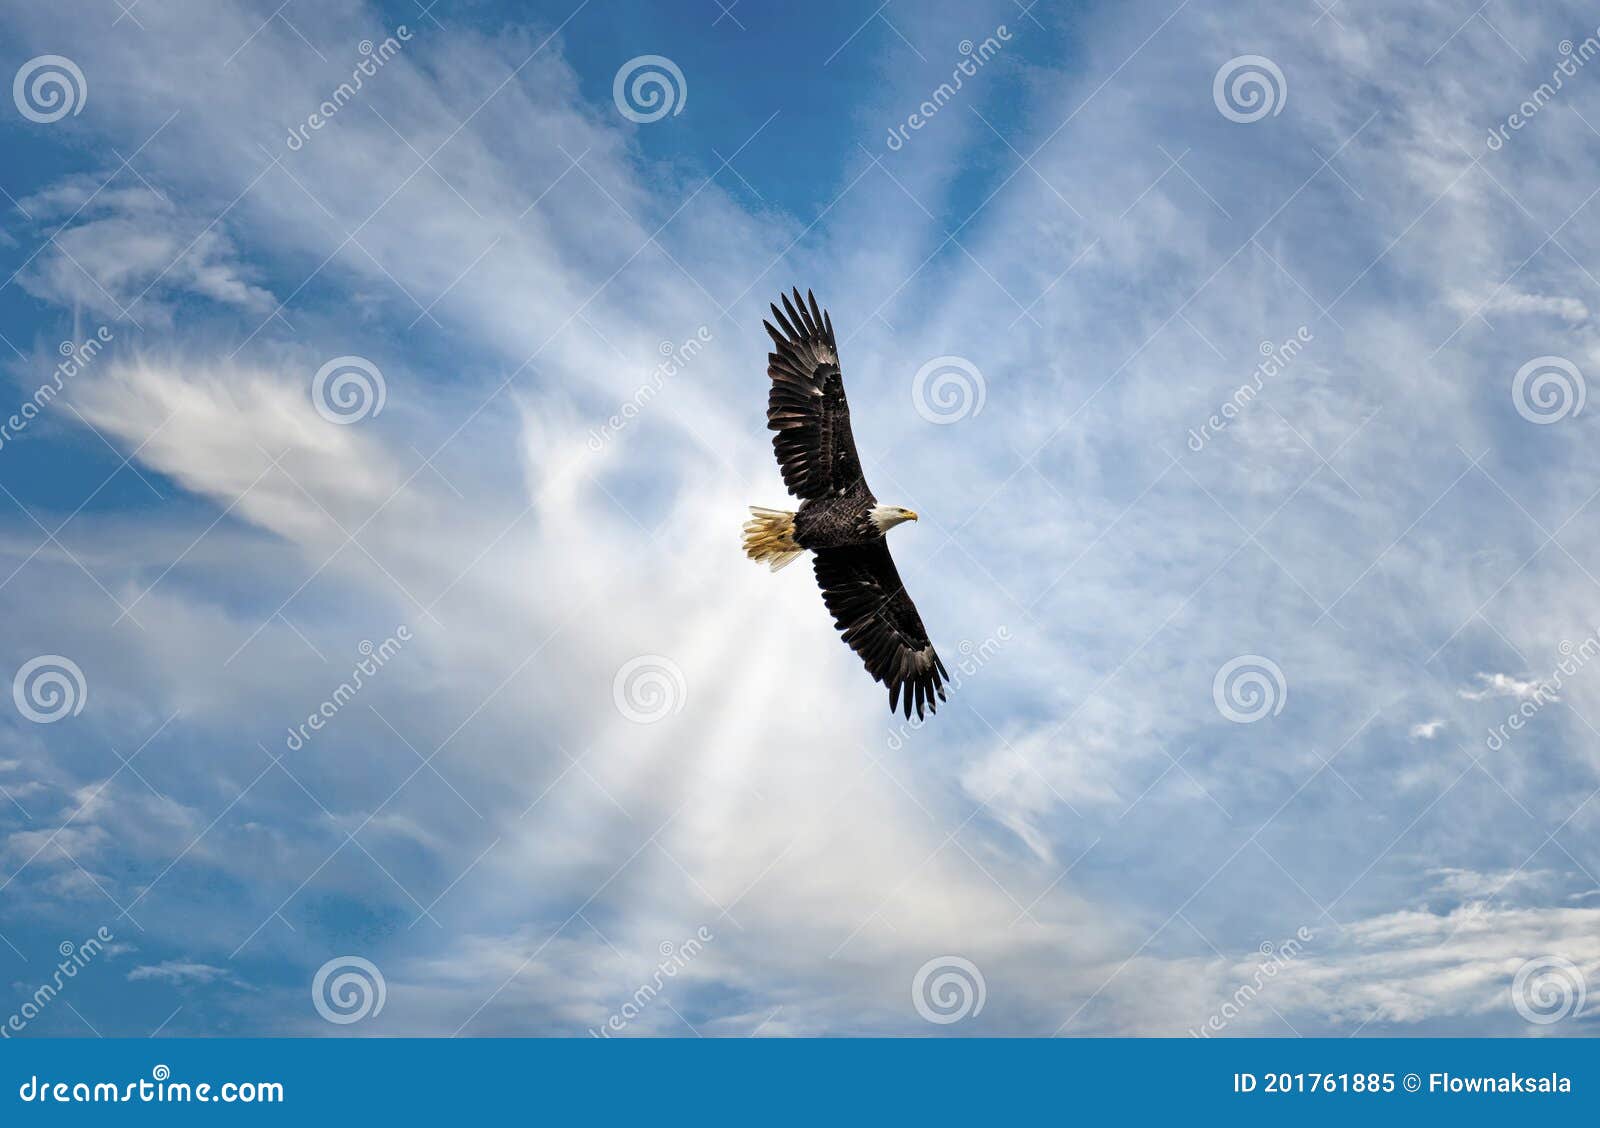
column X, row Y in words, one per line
column 935, row 1081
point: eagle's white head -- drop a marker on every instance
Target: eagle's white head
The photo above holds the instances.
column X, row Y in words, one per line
column 886, row 517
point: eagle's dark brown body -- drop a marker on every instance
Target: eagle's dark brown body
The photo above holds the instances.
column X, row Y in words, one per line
column 832, row 522
column 810, row 420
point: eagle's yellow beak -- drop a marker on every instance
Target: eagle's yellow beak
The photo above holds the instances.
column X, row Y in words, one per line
column 911, row 514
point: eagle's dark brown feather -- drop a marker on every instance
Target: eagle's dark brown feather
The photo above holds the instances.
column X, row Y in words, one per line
column 869, row 604
column 806, row 408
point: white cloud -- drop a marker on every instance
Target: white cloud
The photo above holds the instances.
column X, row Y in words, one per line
column 1504, row 685
column 1510, row 300
column 179, row 972
column 131, row 253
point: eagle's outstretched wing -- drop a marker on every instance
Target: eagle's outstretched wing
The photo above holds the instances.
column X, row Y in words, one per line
column 870, row 607
column 806, row 408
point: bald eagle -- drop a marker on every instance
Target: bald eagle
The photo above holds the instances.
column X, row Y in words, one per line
column 839, row 520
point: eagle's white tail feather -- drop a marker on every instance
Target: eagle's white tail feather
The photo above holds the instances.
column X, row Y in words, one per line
column 769, row 537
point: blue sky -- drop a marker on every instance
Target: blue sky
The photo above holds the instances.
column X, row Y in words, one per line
column 599, row 766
